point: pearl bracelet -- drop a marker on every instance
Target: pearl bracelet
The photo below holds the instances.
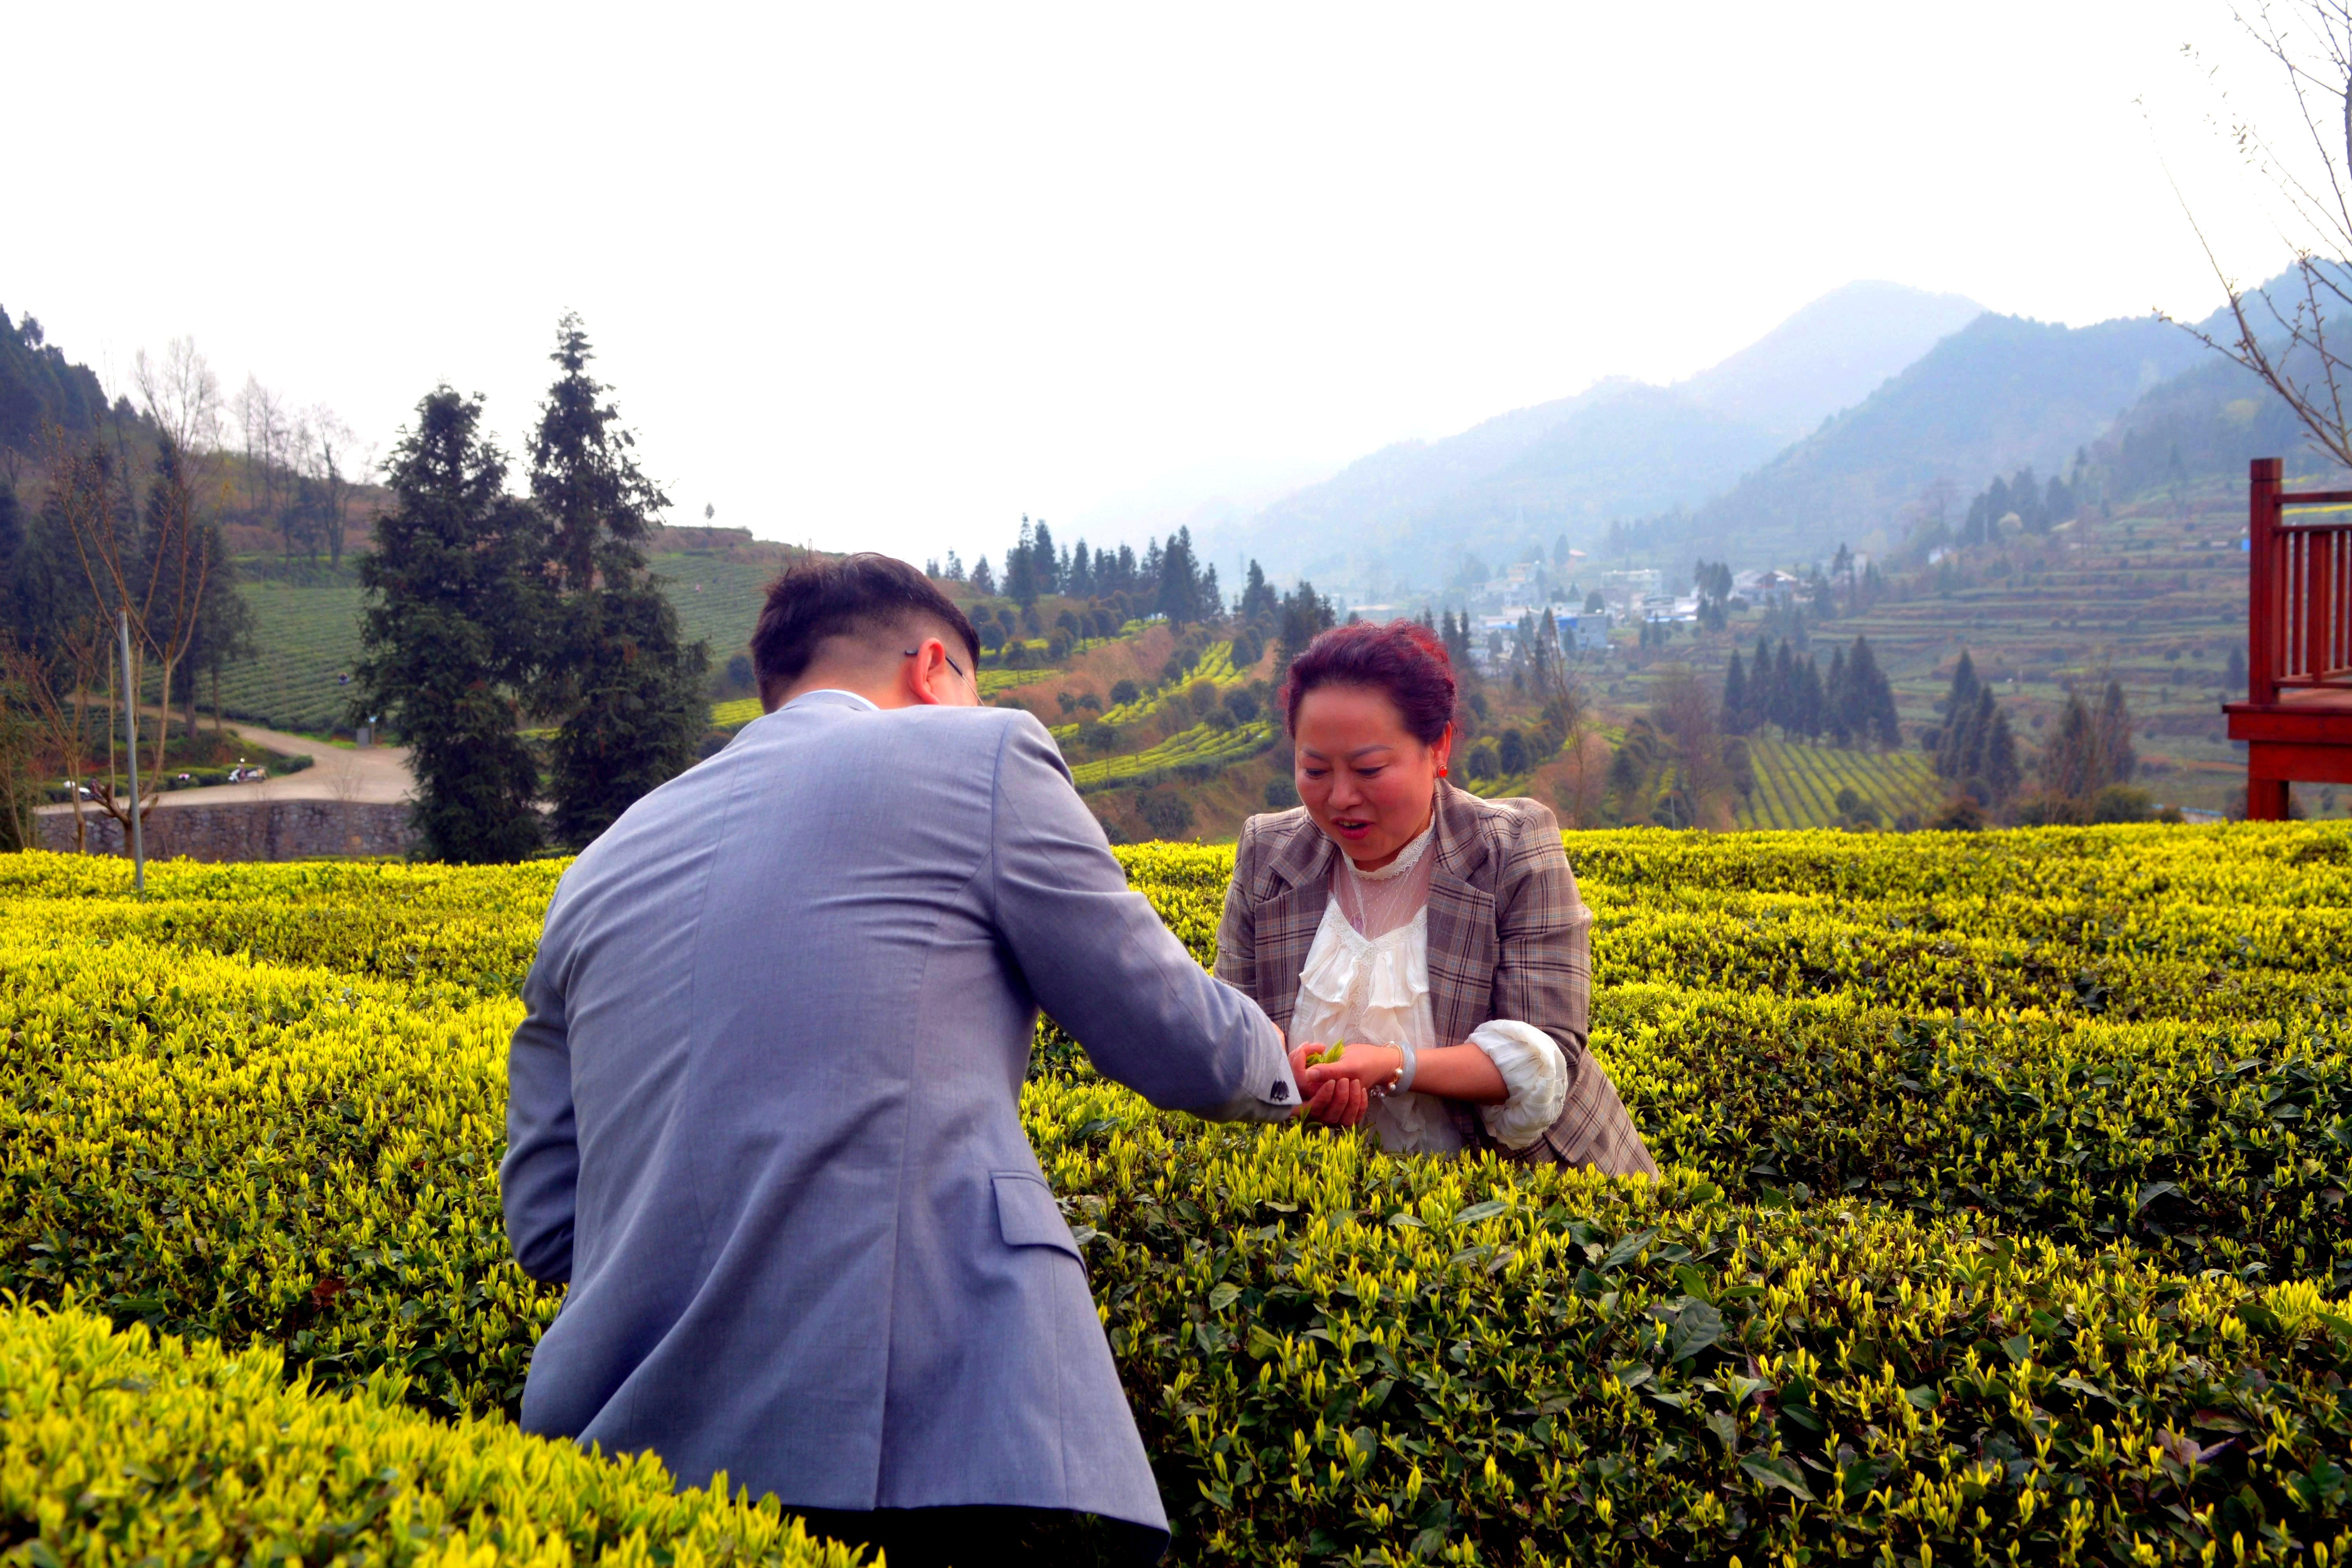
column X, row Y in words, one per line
column 1401, row 1080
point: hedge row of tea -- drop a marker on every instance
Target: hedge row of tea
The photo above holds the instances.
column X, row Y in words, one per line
column 2004, row 1218
column 117, row 1448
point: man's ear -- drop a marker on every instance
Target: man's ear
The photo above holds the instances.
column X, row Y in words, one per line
column 917, row 675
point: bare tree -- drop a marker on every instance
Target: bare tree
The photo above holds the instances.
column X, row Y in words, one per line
column 2286, row 341
column 180, row 392
column 1684, row 711
column 56, row 690
column 154, row 572
column 269, row 435
column 328, row 450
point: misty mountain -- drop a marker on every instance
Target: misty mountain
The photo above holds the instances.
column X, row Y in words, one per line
column 1828, row 356
column 1620, row 448
column 2001, row 393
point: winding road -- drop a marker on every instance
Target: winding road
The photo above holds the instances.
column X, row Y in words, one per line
column 378, row 773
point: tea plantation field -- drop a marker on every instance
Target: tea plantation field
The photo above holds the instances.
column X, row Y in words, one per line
column 2003, row 1221
column 309, row 637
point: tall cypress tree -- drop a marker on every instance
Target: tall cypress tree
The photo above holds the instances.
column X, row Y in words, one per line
column 1735, row 696
column 1258, row 597
column 1181, row 590
column 2070, row 763
column 1837, row 700
column 2117, row 761
column 1875, row 719
column 1810, row 705
column 628, row 686
column 455, row 601
column 1760, row 690
column 2001, row 771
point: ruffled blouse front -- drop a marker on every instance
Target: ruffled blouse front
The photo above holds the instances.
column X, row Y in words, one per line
column 1375, row 990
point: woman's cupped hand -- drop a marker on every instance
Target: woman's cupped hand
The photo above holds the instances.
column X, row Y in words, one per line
column 1338, row 1093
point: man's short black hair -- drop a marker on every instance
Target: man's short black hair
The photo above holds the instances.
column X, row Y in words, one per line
column 865, row 596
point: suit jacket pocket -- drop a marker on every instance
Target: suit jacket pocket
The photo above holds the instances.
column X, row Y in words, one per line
column 1026, row 1215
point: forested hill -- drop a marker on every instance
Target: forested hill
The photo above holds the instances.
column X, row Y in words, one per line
column 2001, row 393
column 39, row 386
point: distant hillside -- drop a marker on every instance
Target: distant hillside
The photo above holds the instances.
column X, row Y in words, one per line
column 2205, row 423
column 2001, row 393
column 39, row 387
column 1620, row 448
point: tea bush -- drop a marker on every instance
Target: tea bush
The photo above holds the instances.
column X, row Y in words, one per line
column 2003, row 1215
column 120, row 1447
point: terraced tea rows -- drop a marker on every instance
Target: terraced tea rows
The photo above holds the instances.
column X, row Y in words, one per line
column 1797, row 785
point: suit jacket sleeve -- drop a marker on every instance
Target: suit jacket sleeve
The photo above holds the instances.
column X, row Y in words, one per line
column 1096, row 957
column 539, row 1180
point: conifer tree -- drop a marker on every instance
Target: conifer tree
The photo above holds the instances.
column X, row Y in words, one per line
column 2117, row 761
column 1999, row 767
column 1258, row 598
column 1964, row 686
column 1811, row 703
column 1837, row 700
column 627, row 687
column 1044, row 568
column 2070, row 763
column 1875, row 719
column 1735, row 696
column 1184, row 594
column 1788, row 695
column 1760, row 690
column 449, row 638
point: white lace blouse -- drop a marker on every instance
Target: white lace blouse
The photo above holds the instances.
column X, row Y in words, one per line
column 1366, row 980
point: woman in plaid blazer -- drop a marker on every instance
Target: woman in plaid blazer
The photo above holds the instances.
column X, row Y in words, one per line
column 1440, row 935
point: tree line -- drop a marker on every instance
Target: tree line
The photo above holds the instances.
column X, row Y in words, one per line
column 2038, row 508
column 1784, row 688
column 1165, row 579
column 2082, row 774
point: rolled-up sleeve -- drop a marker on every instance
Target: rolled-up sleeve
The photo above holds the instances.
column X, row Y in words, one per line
column 1535, row 1081
column 1096, row 957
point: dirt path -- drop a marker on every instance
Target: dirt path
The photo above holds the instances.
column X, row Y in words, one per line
column 337, row 773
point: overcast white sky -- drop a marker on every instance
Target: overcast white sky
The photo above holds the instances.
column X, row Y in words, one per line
column 888, row 277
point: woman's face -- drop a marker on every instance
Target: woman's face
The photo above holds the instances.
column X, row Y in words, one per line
column 1364, row 778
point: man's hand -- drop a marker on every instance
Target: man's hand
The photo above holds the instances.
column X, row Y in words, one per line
column 1338, row 1094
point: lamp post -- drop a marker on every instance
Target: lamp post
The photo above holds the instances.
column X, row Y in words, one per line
column 130, row 739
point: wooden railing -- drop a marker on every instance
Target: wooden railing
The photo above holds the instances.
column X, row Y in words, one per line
column 2300, row 618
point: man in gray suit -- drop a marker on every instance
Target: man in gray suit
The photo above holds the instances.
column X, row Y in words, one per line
column 764, row 1114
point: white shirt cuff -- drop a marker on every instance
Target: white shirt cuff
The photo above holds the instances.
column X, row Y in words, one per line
column 1535, row 1079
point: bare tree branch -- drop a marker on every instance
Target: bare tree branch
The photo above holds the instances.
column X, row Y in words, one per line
column 2288, row 345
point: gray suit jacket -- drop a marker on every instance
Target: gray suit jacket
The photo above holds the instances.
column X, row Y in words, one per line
column 764, row 1117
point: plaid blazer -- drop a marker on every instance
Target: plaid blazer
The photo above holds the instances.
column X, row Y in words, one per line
column 1508, row 938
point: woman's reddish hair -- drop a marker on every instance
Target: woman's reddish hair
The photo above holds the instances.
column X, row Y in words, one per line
column 1404, row 659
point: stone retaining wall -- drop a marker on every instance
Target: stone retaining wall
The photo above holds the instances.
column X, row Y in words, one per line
column 249, row 830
